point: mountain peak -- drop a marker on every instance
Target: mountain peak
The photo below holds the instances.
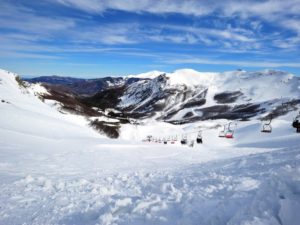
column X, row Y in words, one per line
column 147, row 75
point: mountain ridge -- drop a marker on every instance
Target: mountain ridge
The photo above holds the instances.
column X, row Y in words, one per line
column 187, row 95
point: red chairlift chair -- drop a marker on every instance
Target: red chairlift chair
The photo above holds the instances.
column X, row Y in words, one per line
column 229, row 133
column 174, row 140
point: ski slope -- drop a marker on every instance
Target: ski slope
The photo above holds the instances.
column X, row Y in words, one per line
column 54, row 169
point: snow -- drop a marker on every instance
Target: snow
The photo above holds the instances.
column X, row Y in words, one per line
column 191, row 77
column 55, row 169
column 147, row 75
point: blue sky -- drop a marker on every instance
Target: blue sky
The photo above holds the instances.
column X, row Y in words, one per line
column 94, row 38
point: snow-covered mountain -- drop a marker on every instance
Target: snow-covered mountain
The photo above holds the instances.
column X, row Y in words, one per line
column 55, row 169
column 187, row 95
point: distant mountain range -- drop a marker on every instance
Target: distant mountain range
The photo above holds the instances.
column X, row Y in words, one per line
column 180, row 97
column 82, row 87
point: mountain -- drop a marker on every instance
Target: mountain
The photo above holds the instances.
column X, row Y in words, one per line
column 184, row 96
column 187, row 95
column 81, row 87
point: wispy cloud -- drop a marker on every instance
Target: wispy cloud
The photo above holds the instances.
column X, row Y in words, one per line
column 29, row 22
column 189, row 7
column 272, row 10
column 62, row 29
column 238, row 63
column 22, row 19
column 227, row 33
column 266, row 9
column 27, row 55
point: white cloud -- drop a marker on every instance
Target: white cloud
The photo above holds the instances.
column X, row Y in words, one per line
column 288, row 43
column 108, row 34
column 28, row 27
column 13, row 54
column 15, row 17
column 93, row 6
column 292, row 24
column 276, row 11
column 188, row 7
column 263, row 64
column 245, row 8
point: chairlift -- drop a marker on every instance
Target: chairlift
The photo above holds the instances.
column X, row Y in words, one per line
column 229, row 133
column 149, row 138
column 173, row 140
column 184, row 140
column 199, row 138
column 222, row 132
column 296, row 123
column 165, row 141
column 267, row 128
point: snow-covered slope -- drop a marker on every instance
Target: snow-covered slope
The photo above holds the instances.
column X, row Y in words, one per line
column 23, row 112
column 54, row 169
